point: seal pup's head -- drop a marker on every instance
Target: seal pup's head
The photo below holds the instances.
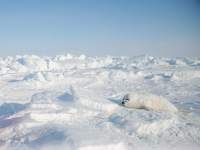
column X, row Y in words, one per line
column 131, row 100
column 126, row 99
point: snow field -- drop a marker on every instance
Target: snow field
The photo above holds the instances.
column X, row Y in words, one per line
column 74, row 102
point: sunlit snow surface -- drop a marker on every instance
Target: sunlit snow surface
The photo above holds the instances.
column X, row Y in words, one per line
column 74, row 103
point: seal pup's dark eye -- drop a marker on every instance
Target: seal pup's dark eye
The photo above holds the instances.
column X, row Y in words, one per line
column 127, row 99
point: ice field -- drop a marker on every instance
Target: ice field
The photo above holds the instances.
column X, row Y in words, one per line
column 71, row 102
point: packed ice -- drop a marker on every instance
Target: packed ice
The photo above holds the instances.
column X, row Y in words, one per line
column 74, row 103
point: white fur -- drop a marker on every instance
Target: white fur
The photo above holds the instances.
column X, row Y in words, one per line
column 148, row 101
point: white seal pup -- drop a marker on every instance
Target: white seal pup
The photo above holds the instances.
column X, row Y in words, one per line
column 148, row 102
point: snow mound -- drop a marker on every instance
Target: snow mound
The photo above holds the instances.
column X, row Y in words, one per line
column 41, row 106
column 32, row 62
column 186, row 75
column 47, row 117
column 38, row 76
column 119, row 146
column 103, row 105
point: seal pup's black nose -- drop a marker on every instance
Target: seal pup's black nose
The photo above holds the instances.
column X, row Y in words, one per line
column 122, row 103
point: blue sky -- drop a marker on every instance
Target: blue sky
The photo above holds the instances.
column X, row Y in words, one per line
column 159, row 28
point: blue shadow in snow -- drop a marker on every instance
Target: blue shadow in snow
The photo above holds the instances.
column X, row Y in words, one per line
column 9, row 108
column 66, row 97
column 118, row 102
column 15, row 80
